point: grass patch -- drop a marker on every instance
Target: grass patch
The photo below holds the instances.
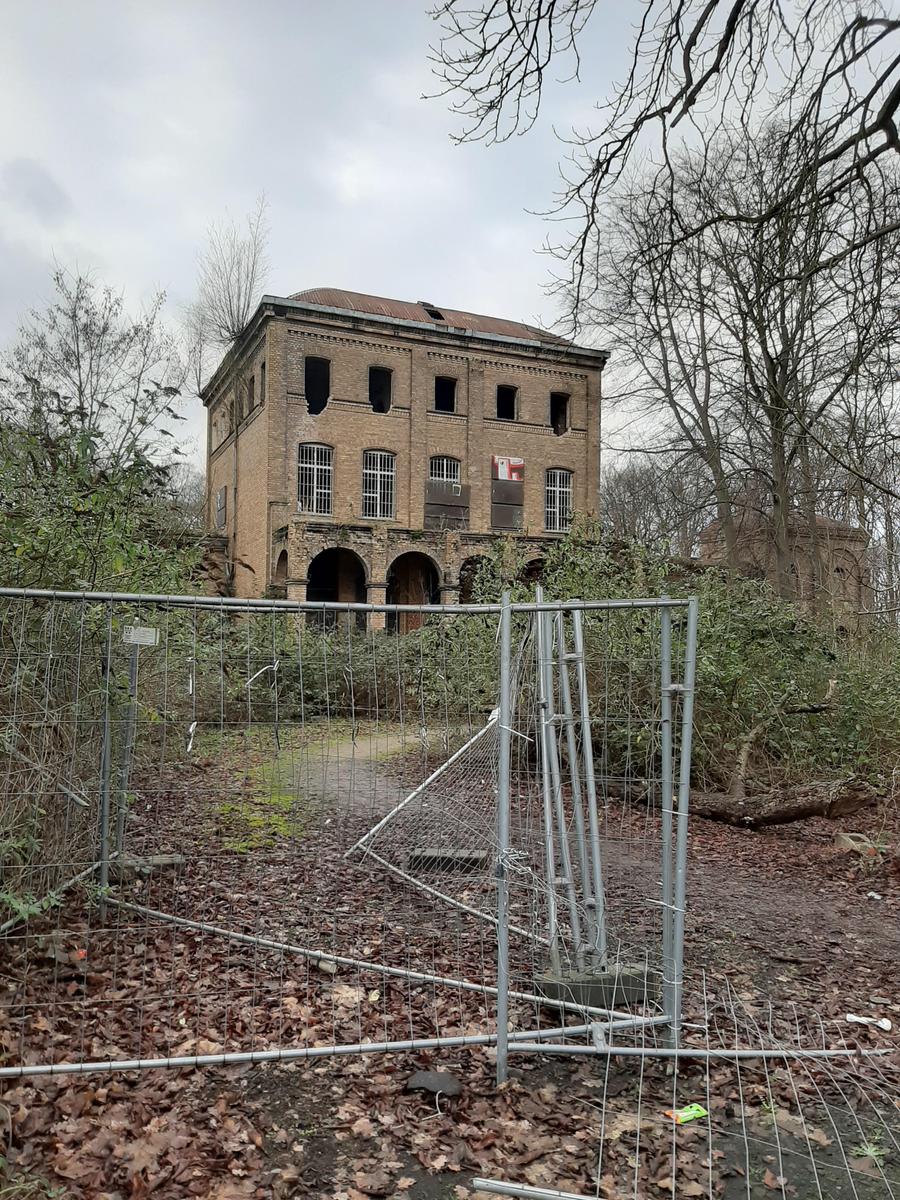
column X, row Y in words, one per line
column 270, row 809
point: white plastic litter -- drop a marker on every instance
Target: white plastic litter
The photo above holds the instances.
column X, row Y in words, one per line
column 881, row 1023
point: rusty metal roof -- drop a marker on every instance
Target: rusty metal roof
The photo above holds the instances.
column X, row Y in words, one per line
column 424, row 312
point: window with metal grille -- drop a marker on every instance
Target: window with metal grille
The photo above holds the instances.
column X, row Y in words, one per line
column 378, row 484
column 443, row 469
column 315, row 470
column 558, row 500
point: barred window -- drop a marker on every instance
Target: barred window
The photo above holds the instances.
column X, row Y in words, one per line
column 378, row 484
column 315, row 470
column 558, row 500
column 443, row 469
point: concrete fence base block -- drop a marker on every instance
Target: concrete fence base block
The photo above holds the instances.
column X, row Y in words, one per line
column 133, row 868
column 436, row 859
column 623, row 986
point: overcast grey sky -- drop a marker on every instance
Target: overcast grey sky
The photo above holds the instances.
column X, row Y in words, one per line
column 126, row 126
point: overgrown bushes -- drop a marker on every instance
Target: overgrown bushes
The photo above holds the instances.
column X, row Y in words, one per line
column 814, row 703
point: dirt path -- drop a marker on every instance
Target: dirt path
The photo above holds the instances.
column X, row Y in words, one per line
column 780, row 912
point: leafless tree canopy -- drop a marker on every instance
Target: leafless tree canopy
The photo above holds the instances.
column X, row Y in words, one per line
column 232, row 273
column 830, row 70
column 778, row 381
column 88, row 369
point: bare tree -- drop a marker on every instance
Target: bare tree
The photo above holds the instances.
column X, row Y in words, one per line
column 757, row 366
column 658, row 500
column 86, row 369
column 830, row 70
column 232, row 272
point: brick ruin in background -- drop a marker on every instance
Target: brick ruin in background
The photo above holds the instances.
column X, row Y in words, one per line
column 831, row 562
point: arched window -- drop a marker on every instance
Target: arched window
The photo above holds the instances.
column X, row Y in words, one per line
column 442, row 469
column 379, row 473
column 558, row 500
column 315, row 478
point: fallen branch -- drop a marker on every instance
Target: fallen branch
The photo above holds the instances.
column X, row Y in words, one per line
column 784, row 805
column 738, row 789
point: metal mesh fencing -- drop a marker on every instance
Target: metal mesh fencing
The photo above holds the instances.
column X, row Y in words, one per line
column 242, row 831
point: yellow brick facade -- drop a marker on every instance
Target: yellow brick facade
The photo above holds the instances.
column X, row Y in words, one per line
column 253, row 447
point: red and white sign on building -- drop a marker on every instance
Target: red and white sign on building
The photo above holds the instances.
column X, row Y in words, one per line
column 512, row 469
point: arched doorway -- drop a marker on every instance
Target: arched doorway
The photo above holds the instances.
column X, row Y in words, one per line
column 281, row 568
column 336, row 576
column 467, row 571
column 533, row 571
column 412, row 578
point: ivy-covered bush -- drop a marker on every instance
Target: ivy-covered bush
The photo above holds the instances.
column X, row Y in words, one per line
column 761, row 661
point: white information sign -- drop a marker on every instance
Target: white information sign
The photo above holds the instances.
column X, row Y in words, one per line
column 140, row 635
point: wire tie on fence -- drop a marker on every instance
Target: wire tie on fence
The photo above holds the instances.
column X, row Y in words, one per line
column 190, row 741
column 262, row 670
column 517, row 861
column 516, row 733
column 663, row 904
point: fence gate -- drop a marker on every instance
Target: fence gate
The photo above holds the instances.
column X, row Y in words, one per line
column 248, row 831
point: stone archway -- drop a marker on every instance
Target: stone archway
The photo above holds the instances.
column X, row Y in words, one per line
column 533, row 571
column 281, row 569
column 412, row 578
column 336, row 576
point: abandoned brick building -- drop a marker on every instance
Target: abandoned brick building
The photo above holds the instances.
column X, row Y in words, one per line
column 365, row 449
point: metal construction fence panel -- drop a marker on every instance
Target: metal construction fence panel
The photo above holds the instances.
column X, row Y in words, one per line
column 250, row 831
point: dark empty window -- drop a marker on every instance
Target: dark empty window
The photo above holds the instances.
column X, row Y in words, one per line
column 316, row 383
column 380, row 389
column 262, row 383
column 444, row 394
column 559, row 412
column 251, row 393
column 506, row 403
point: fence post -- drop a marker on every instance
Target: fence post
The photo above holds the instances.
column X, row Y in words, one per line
column 105, row 770
column 127, row 751
column 547, row 802
column 684, row 792
column 590, row 784
column 503, row 815
column 666, row 798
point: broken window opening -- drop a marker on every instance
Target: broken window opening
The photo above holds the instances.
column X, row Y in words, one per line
column 444, row 394
column 434, row 313
column 316, row 383
column 251, row 393
column 262, row 383
column 559, row 412
column 380, row 389
column 506, row 402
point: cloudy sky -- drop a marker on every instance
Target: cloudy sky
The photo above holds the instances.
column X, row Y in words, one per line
column 127, row 126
